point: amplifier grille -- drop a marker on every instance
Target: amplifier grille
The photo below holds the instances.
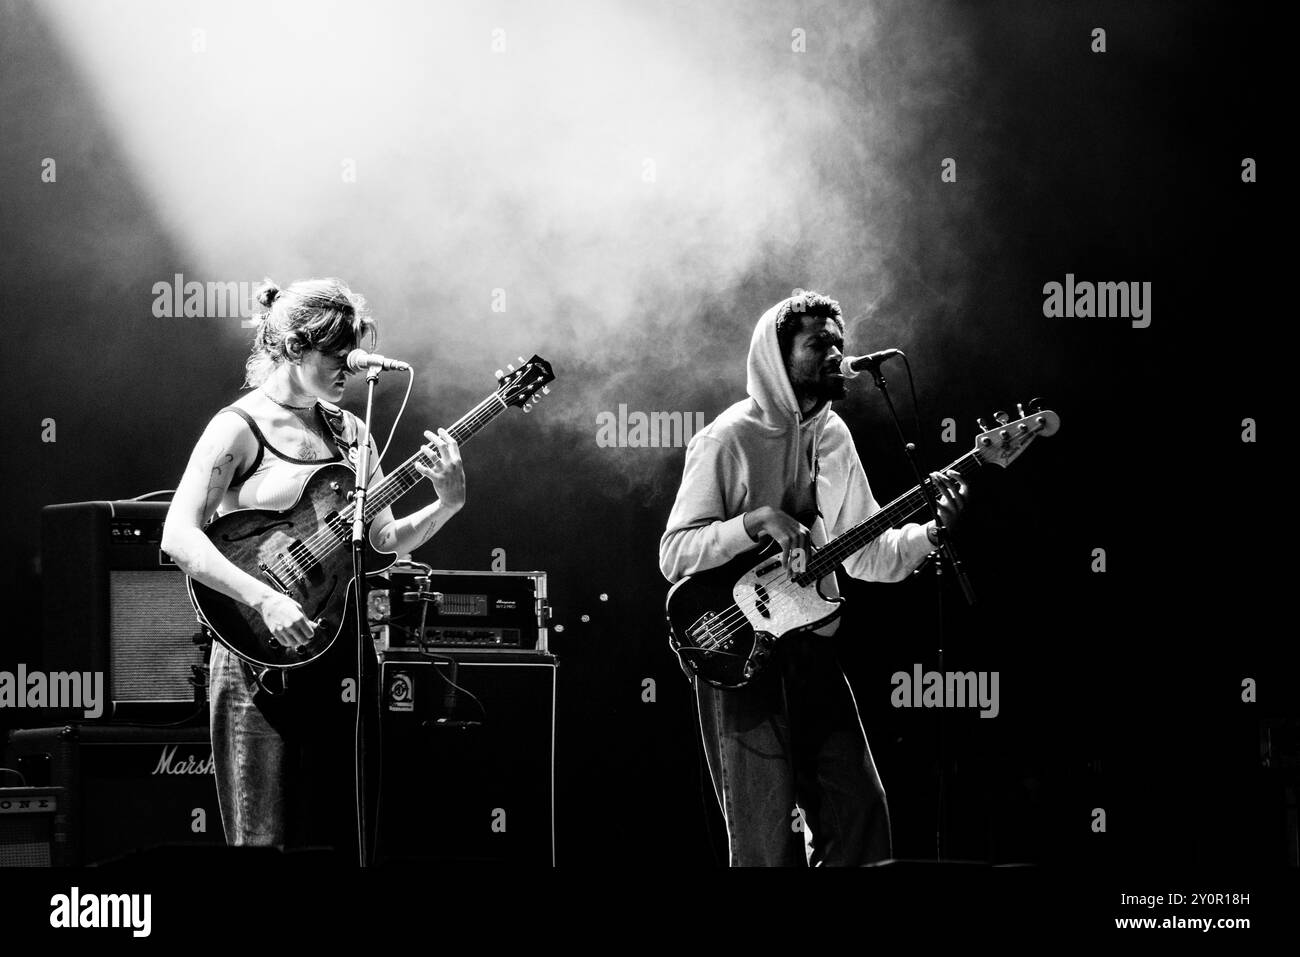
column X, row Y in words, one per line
column 150, row 637
column 25, row 842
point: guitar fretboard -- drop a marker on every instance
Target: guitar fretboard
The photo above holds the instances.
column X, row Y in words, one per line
column 859, row 536
column 405, row 477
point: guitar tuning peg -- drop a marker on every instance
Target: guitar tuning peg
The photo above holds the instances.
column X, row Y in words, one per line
column 984, row 426
column 1002, row 418
column 499, row 374
column 1035, row 405
column 546, row 390
column 526, row 407
column 510, row 367
column 519, row 359
column 1020, row 410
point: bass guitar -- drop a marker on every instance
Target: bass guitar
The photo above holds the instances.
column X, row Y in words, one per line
column 305, row 551
column 724, row 622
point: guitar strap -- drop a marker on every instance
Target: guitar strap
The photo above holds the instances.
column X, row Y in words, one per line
column 337, row 422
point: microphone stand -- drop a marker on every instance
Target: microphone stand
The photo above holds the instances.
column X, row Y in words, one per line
column 947, row 551
column 359, row 604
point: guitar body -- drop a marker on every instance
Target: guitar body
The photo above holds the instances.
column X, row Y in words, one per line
column 724, row 622
column 269, row 545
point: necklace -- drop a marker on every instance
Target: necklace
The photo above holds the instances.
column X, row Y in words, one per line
column 285, row 405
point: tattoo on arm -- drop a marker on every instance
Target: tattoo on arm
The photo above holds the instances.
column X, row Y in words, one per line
column 216, row 487
column 424, row 529
column 429, row 530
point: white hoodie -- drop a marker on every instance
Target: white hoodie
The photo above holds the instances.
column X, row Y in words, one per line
column 757, row 453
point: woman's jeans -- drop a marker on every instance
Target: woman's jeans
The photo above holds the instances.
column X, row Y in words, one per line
column 285, row 763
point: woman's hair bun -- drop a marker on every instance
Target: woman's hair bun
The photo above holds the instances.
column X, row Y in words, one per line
column 268, row 294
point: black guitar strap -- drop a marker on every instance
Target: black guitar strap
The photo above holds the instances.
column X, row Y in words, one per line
column 336, row 422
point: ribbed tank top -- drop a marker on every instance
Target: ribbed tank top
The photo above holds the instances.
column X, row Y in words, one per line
column 275, row 480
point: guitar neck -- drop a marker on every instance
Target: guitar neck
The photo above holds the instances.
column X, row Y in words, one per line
column 405, row 477
column 895, row 513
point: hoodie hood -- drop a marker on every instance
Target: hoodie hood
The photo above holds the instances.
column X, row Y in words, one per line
column 768, row 383
column 772, row 414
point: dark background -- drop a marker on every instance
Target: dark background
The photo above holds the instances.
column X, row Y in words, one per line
column 1119, row 690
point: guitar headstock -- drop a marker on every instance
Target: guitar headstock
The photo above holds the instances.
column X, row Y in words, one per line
column 1001, row 444
column 526, row 384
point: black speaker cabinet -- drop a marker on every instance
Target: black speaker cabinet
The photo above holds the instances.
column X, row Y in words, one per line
column 33, row 827
column 115, row 603
column 469, row 771
column 126, row 787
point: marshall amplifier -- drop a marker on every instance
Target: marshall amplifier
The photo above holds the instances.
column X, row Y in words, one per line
column 33, row 827
column 468, row 758
column 127, row 787
column 115, row 603
column 473, row 610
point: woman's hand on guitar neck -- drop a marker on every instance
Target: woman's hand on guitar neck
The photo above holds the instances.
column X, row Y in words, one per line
column 283, row 617
column 444, row 468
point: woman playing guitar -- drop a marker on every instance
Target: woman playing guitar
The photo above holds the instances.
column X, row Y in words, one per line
column 281, row 747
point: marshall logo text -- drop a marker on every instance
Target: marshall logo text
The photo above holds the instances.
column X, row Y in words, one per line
column 167, row 763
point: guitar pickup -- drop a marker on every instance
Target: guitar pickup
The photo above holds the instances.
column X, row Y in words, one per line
column 273, row 578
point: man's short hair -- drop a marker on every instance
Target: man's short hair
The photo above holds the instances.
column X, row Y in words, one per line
column 789, row 320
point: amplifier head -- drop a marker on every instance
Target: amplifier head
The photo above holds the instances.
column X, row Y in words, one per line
column 506, row 611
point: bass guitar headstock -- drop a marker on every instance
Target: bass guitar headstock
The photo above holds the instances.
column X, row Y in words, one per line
column 1002, row 443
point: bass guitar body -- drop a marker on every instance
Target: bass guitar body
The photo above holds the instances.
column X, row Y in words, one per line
column 724, row 622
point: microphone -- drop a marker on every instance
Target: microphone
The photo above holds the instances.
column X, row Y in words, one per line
column 359, row 361
column 852, row 365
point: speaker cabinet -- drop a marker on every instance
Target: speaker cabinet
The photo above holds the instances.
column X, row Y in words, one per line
column 33, row 827
column 126, row 787
column 115, row 603
column 468, row 772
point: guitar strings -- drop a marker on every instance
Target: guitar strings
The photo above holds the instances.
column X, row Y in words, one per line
column 300, row 557
column 304, row 555
column 734, row 621
column 475, row 418
column 739, row 617
column 735, row 617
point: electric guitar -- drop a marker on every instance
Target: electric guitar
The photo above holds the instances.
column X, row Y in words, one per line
column 724, row 622
column 305, row 551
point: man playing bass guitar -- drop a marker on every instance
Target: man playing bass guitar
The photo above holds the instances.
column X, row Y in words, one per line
column 793, row 735
column 282, row 748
